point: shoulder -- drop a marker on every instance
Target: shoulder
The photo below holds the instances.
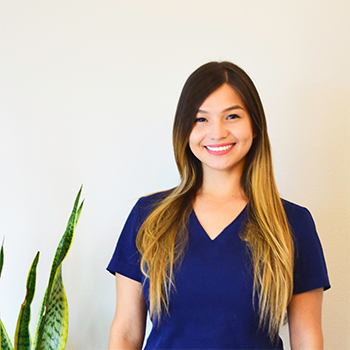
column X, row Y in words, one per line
column 153, row 198
column 146, row 204
column 293, row 210
column 310, row 271
column 297, row 215
column 302, row 224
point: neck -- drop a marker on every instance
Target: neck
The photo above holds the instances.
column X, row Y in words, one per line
column 222, row 185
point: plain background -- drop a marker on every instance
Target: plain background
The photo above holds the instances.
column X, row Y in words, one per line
column 88, row 91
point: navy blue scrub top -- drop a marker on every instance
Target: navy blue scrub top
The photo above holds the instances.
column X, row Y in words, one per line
column 211, row 305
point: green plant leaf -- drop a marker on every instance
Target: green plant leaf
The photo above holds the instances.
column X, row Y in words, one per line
column 22, row 335
column 62, row 250
column 55, row 320
column 1, row 257
column 5, row 343
column 4, row 339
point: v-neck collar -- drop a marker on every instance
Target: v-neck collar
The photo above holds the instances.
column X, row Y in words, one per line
column 234, row 222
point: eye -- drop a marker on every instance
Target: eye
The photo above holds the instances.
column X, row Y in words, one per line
column 200, row 120
column 233, row 116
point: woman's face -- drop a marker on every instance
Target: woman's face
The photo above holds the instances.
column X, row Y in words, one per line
column 222, row 133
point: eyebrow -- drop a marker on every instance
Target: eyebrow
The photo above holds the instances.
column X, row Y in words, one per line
column 225, row 110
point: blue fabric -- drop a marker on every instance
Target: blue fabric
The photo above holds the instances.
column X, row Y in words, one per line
column 211, row 306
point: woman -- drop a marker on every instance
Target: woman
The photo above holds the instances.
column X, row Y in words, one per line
column 220, row 259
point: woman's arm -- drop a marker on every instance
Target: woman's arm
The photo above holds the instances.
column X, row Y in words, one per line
column 128, row 327
column 304, row 318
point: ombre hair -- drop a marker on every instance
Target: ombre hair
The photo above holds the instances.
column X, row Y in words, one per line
column 163, row 236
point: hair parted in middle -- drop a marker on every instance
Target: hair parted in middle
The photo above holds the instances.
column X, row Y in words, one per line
column 163, row 236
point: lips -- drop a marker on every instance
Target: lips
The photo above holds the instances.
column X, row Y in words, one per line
column 219, row 149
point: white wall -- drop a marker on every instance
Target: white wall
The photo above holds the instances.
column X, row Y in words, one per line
column 88, row 91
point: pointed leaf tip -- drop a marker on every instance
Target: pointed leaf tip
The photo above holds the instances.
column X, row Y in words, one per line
column 22, row 334
column 55, row 287
column 2, row 255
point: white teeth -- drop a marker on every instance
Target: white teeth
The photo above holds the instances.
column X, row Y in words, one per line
column 218, row 149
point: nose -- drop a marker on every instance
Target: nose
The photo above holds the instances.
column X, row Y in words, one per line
column 218, row 130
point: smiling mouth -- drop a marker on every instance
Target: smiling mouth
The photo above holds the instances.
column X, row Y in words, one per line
column 220, row 148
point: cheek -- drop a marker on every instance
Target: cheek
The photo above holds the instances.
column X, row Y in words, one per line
column 194, row 139
column 194, row 143
column 245, row 134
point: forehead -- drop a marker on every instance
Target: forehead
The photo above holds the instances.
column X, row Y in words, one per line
column 221, row 99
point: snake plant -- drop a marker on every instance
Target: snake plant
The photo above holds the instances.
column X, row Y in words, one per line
column 51, row 329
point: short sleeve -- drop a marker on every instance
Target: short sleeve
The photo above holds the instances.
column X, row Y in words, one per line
column 310, row 271
column 126, row 257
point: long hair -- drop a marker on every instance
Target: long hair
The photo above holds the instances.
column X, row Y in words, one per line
column 162, row 237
